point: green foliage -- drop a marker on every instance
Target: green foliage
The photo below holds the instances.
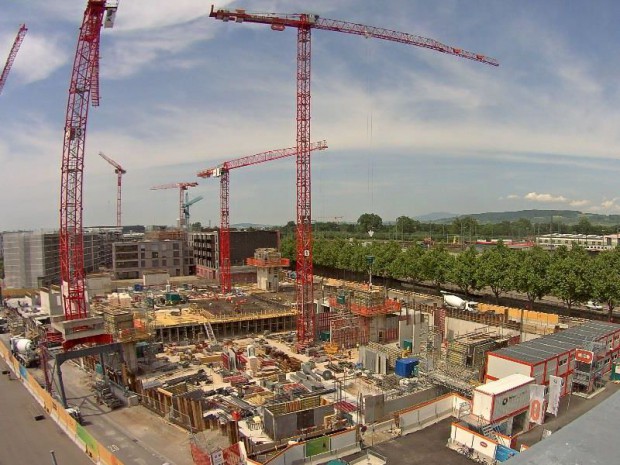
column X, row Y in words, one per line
column 409, row 265
column 495, row 269
column 436, row 265
column 606, row 279
column 404, row 224
column 570, row 274
column 530, row 273
column 464, row 270
column 369, row 221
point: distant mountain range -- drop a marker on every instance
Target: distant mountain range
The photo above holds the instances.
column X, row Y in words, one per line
column 535, row 216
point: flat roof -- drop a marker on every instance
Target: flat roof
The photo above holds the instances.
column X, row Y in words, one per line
column 550, row 346
column 504, row 384
column 588, row 439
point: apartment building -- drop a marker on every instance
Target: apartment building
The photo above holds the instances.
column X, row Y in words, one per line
column 132, row 259
column 32, row 258
column 204, row 248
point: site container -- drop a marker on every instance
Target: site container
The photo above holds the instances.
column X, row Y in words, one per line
column 406, row 367
column 502, row 398
column 615, row 372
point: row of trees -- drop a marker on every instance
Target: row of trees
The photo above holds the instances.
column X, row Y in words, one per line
column 406, row 228
column 571, row 275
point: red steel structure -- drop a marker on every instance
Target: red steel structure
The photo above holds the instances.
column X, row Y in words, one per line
column 119, row 170
column 182, row 186
column 304, row 23
column 223, row 172
column 84, row 85
column 21, row 33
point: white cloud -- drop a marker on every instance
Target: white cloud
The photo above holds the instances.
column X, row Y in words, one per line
column 38, row 58
column 578, row 203
column 513, row 196
column 536, row 197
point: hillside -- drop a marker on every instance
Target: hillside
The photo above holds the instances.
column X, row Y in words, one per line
column 568, row 217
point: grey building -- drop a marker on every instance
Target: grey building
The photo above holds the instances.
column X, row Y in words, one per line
column 32, row 258
column 132, row 259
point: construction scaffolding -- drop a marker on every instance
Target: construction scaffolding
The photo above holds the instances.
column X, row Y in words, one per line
column 469, row 350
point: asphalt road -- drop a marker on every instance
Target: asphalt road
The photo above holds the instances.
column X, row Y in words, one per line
column 134, row 435
column 24, row 440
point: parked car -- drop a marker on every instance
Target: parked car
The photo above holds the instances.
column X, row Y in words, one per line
column 594, row 305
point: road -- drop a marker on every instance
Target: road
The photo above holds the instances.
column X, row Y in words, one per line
column 24, row 440
column 134, row 434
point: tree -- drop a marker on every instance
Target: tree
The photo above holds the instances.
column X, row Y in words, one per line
column 570, row 274
column 495, row 269
column 584, row 226
column 386, row 254
column 464, row 270
column 369, row 222
column 606, row 279
column 405, row 224
column 529, row 273
column 288, row 248
column 436, row 264
column 408, row 265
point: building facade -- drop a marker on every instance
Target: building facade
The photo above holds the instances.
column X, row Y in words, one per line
column 205, row 250
column 587, row 241
column 132, row 259
column 32, row 258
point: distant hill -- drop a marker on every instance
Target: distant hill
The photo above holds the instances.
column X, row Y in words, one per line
column 539, row 216
column 435, row 216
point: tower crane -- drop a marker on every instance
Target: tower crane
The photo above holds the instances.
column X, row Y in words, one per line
column 21, row 33
column 183, row 187
column 304, row 23
column 119, row 170
column 188, row 203
column 83, row 89
column 223, row 172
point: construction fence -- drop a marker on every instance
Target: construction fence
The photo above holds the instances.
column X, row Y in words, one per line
column 77, row 433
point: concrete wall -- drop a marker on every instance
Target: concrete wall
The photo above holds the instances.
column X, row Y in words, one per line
column 289, row 424
column 377, row 408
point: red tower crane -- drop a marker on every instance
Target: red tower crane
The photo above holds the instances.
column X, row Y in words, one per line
column 304, row 23
column 223, row 172
column 182, row 186
column 21, row 33
column 84, row 86
column 119, row 170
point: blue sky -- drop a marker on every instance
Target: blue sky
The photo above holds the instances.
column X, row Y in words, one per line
column 411, row 131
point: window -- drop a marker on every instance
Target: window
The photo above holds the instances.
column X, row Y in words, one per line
column 155, row 263
column 154, row 254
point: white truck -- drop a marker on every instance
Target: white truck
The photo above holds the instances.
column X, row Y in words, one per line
column 453, row 301
column 24, row 350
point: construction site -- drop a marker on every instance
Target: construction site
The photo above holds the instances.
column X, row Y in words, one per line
column 253, row 356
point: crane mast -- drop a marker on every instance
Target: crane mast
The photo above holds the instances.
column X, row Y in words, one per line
column 120, row 171
column 83, row 80
column 21, row 33
column 306, row 328
column 223, row 172
column 182, row 186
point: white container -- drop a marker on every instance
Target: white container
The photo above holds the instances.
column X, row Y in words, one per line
column 502, row 398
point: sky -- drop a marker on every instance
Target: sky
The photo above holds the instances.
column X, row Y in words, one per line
column 410, row 131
